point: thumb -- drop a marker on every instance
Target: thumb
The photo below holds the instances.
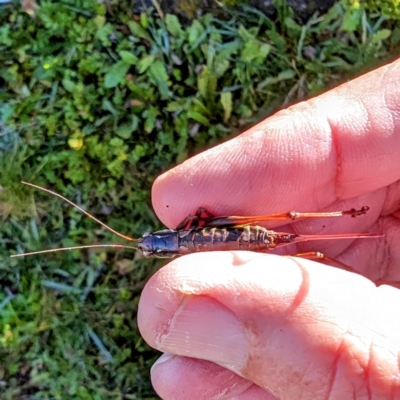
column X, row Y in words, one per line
column 288, row 325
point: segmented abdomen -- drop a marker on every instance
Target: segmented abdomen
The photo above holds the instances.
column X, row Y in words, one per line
column 253, row 238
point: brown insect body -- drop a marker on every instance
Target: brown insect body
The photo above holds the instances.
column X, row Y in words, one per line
column 170, row 243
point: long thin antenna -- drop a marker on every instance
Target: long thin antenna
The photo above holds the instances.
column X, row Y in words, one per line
column 117, row 246
column 82, row 211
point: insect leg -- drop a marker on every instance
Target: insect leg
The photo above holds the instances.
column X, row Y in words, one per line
column 199, row 219
column 318, row 256
column 287, row 216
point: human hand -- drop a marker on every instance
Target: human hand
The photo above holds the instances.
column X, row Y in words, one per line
column 257, row 326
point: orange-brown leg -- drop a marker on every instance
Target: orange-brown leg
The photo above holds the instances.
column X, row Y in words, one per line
column 318, row 256
column 287, row 216
column 199, row 219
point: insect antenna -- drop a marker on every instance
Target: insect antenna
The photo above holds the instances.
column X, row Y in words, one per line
column 82, row 211
column 115, row 246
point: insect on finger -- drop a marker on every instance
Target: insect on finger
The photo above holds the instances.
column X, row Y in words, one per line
column 205, row 232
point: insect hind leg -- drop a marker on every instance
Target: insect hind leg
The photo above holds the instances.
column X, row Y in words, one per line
column 200, row 219
column 318, row 256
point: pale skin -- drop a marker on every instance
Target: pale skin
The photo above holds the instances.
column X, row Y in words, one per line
column 247, row 325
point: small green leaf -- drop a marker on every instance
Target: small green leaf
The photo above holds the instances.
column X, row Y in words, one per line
column 270, row 80
column 99, row 21
column 145, row 63
column 5, row 37
column 198, row 105
column 6, row 111
column 149, row 124
column 230, row 48
column 207, row 83
column 116, row 74
column 173, row 25
column 287, row 74
column 104, row 34
column 116, row 142
column 351, row 20
column 137, row 30
column 144, row 20
column 245, row 34
column 68, row 85
column 199, row 118
column 226, row 101
column 139, row 151
column 291, row 24
column 221, row 65
column 250, row 51
column 278, row 41
column 125, row 131
column 264, row 50
column 158, row 72
column 195, row 30
column 128, row 57
column 255, row 50
column 174, row 106
column 382, row 34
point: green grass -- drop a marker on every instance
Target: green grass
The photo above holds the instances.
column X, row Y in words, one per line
column 95, row 104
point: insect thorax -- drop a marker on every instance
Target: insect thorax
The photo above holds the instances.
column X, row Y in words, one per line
column 162, row 244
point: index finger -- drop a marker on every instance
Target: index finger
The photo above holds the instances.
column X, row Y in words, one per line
column 339, row 145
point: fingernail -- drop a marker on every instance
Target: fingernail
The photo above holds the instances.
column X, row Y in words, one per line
column 164, row 358
column 204, row 328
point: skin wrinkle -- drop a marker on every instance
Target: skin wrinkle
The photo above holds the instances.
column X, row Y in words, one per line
column 304, row 288
column 384, row 266
column 239, row 261
column 392, row 109
column 338, row 159
column 392, row 258
column 343, row 348
column 389, row 113
column 290, row 310
column 395, row 387
column 334, row 369
column 386, row 200
column 165, row 328
column 366, row 370
column 324, row 136
column 392, row 199
column 388, row 246
column 368, row 127
column 370, row 367
column 257, row 150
